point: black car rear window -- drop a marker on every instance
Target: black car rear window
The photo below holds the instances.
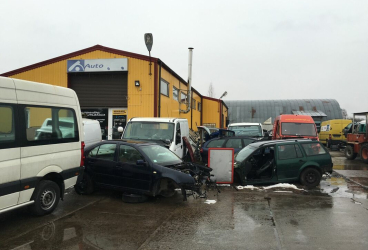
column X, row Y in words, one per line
column 234, row 143
column 216, row 143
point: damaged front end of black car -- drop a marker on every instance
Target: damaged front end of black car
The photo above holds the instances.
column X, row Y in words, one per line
column 192, row 179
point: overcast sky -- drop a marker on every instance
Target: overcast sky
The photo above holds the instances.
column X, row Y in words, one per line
column 255, row 50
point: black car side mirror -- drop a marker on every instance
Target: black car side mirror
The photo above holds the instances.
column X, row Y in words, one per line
column 141, row 163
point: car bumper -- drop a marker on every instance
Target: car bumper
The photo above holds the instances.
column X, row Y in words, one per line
column 337, row 142
column 327, row 169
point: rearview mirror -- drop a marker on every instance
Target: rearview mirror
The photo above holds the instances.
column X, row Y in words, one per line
column 141, row 163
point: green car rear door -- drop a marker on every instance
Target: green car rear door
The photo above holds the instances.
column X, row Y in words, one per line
column 289, row 159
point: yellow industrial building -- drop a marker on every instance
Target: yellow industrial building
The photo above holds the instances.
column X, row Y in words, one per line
column 114, row 85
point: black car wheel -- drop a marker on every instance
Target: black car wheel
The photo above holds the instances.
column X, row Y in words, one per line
column 349, row 152
column 46, row 198
column 85, row 186
column 310, row 177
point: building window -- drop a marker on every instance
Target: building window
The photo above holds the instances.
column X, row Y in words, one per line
column 164, row 87
column 194, row 103
column 183, row 98
column 175, row 94
column 199, row 106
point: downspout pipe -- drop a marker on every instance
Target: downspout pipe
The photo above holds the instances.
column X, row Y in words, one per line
column 159, row 91
column 190, row 59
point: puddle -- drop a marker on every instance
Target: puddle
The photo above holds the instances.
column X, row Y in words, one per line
column 339, row 187
column 351, row 167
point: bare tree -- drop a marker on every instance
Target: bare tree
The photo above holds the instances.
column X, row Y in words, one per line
column 211, row 90
column 344, row 113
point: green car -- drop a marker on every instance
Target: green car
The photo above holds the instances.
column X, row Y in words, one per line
column 277, row 161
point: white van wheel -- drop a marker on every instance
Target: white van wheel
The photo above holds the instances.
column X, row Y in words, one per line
column 46, row 198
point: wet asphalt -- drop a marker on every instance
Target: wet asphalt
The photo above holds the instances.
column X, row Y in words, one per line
column 331, row 216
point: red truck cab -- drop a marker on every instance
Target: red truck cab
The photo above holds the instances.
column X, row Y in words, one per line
column 294, row 126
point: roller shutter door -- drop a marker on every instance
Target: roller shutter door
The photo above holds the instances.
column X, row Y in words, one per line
column 100, row 89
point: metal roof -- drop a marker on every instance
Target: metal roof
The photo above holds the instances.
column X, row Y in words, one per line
column 261, row 110
column 317, row 113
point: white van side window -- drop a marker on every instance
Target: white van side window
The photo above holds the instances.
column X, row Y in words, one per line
column 50, row 124
column 7, row 128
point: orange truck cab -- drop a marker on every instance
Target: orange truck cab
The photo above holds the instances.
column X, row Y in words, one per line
column 294, row 126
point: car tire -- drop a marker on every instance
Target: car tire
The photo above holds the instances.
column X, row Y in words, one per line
column 168, row 193
column 310, row 177
column 134, row 198
column 349, row 152
column 364, row 153
column 46, row 198
column 85, row 186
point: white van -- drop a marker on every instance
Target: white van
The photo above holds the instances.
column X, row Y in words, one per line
column 246, row 129
column 166, row 131
column 41, row 144
column 92, row 131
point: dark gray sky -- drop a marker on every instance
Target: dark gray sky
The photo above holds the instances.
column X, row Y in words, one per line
column 252, row 49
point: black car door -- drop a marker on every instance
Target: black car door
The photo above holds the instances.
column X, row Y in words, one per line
column 132, row 176
column 101, row 162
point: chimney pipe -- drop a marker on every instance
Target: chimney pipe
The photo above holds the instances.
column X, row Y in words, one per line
column 190, row 59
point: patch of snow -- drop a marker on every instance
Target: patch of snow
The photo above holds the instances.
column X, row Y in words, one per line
column 210, row 202
column 282, row 191
column 283, row 185
column 247, row 187
column 357, row 202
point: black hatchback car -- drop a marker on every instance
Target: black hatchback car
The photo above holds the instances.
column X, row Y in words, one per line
column 235, row 142
column 139, row 168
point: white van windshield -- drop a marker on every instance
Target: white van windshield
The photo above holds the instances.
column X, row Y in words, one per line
column 149, row 131
column 250, row 130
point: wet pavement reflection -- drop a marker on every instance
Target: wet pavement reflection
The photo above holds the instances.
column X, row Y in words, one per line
column 331, row 216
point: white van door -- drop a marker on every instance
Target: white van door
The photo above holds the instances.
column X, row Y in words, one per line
column 9, row 157
column 178, row 141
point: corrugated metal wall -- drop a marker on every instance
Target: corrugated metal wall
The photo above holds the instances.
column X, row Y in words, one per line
column 261, row 110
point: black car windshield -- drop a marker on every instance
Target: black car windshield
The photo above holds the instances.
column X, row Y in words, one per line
column 298, row 129
column 149, row 131
column 161, row 155
column 244, row 153
column 251, row 130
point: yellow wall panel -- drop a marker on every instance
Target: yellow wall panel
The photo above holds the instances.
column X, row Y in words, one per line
column 140, row 100
column 211, row 112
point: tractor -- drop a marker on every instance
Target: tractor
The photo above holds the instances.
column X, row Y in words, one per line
column 357, row 138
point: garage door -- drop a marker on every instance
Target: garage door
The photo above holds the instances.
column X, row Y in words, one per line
column 100, row 89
